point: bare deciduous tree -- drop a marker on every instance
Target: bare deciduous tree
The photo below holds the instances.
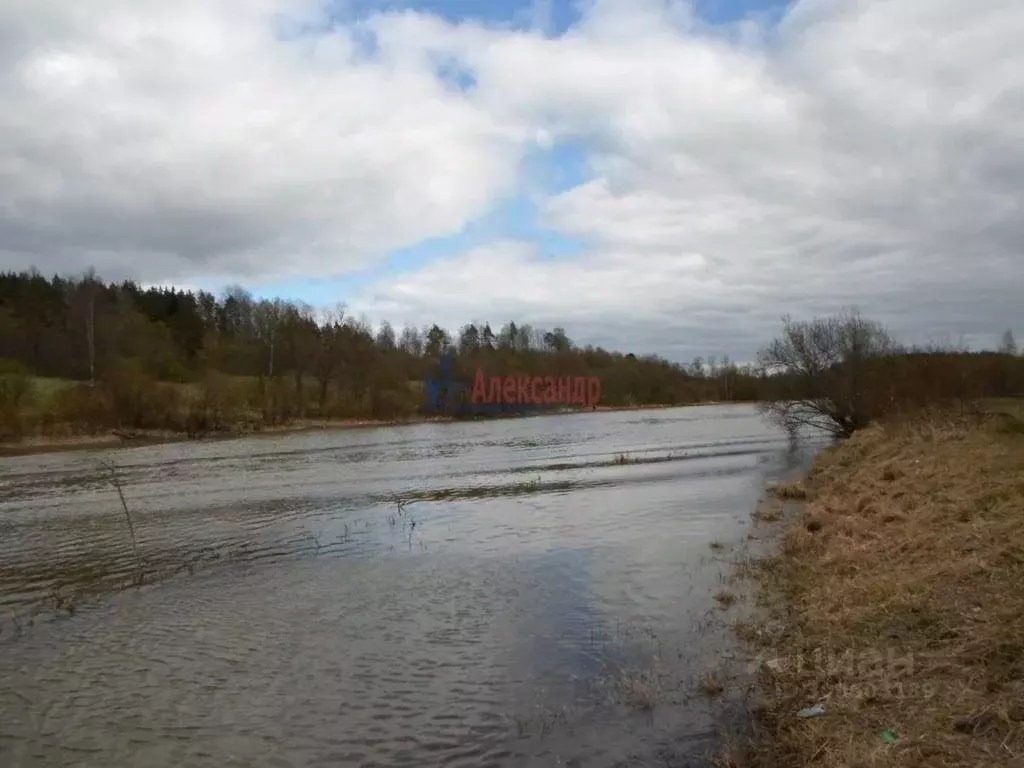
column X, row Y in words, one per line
column 268, row 318
column 412, row 341
column 83, row 305
column 826, row 362
column 385, row 338
column 1008, row 346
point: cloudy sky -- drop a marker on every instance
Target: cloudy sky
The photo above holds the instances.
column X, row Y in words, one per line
column 654, row 175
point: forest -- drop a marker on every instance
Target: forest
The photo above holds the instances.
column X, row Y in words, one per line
column 81, row 355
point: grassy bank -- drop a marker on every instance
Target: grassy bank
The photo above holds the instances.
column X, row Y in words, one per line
column 898, row 603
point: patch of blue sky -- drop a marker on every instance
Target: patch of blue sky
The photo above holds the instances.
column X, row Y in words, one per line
column 514, row 220
column 559, row 168
column 554, row 16
column 551, row 17
column 727, row 19
column 552, row 171
column 454, row 74
column 729, row 11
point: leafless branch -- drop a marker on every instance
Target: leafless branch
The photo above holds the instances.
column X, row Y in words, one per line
column 112, row 469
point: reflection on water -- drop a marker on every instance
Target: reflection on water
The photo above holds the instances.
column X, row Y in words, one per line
column 465, row 594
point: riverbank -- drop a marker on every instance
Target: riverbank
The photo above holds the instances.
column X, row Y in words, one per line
column 116, row 437
column 113, row 438
column 894, row 603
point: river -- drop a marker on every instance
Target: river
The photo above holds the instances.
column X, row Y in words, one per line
column 506, row 593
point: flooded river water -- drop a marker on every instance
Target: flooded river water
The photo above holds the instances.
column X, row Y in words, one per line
column 514, row 592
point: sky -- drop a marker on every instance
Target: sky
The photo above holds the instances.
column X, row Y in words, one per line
column 655, row 176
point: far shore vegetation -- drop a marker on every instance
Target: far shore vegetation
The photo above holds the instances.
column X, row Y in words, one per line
column 82, row 359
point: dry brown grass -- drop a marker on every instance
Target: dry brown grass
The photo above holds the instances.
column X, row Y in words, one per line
column 789, row 491
column 900, row 588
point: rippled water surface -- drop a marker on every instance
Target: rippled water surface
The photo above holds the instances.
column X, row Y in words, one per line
column 498, row 593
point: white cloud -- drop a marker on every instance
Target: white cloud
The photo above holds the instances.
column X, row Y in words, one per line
column 864, row 152
column 174, row 140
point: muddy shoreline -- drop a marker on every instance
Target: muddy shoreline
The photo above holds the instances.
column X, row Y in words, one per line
column 745, row 621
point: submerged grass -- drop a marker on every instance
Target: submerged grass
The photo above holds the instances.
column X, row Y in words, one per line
column 766, row 515
column 642, row 690
column 725, row 598
column 899, row 590
column 710, row 685
column 486, row 491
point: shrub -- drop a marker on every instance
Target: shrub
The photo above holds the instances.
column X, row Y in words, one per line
column 16, row 395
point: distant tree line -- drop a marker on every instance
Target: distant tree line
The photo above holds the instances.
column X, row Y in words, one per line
column 85, row 355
